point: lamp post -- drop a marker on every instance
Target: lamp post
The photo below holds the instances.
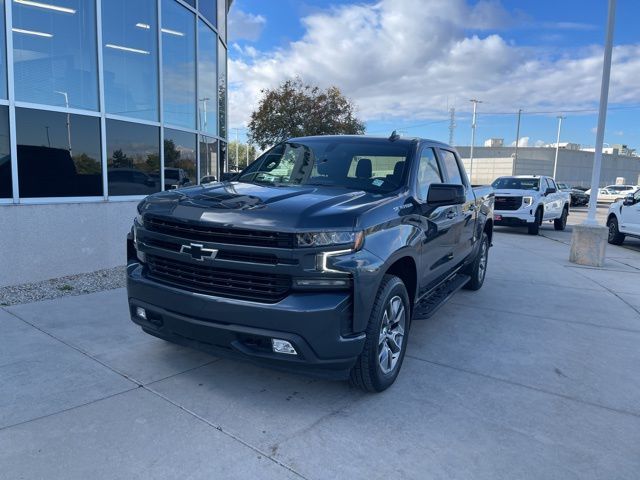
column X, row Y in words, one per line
column 515, row 154
column 589, row 240
column 66, row 104
column 555, row 162
column 473, row 135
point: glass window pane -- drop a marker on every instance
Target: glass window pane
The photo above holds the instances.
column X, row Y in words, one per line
column 179, row 159
column 130, row 36
column 191, row 2
column 58, row 154
column 452, row 167
column 208, row 158
column 133, row 165
column 222, row 89
column 428, row 172
column 207, row 79
column 178, row 64
column 208, row 9
column 222, row 19
column 3, row 55
column 6, row 191
column 54, row 53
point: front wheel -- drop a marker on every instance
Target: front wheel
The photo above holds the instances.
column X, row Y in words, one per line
column 615, row 237
column 534, row 228
column 477, row 270
column 561, row 223
column 381, row 359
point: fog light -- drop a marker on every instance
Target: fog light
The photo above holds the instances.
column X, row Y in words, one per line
column 141, row 312
column 282, row 346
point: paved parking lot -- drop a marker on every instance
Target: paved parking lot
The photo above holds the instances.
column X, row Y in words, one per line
column 534, row 376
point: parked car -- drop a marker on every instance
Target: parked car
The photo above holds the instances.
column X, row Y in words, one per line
column 613, row 193
column 317, row 258
column 208, row 179
column 624, row 219
column 578, row 197
column 528, row 201
column 175, row 178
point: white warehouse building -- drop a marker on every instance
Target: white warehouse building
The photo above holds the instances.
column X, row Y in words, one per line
column 574, row 166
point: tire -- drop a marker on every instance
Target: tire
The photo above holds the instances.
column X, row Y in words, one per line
column 561, row 223
column 534, row 227
column 378, row 365
column 477, row 270
column 615, row 237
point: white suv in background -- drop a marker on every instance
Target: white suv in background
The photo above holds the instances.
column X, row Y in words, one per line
column 624, row 219
column 529, row 200
column 613, row 193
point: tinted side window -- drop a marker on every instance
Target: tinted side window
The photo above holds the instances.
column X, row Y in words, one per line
column 452, row 167
column 428, row 172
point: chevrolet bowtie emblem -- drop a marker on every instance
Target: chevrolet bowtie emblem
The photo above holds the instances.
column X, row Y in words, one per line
column 198, row 252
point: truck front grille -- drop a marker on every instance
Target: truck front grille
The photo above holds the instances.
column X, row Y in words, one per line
column 508, row 203
column 233, row 236
column 255, row 286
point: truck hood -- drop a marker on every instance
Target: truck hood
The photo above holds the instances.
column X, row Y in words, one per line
column 246, row 205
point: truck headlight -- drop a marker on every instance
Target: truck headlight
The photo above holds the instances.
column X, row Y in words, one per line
column 352, row 240
column 527, row 201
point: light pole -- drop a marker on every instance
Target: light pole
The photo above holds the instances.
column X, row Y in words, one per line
column 589, row 240
column 555, row 162
column 515, row 154
column 66, row 104
column 473, row 136
column 204, row 108
column 237, row 147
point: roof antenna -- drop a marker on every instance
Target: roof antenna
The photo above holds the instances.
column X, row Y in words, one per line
column 394, row 136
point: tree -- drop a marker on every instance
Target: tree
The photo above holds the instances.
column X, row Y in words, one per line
column 295, row 109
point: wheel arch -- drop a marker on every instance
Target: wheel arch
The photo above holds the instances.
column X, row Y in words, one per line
column 405, row 269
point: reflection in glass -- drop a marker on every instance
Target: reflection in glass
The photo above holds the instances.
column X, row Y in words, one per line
column 222, row 19
column 6, row 191
column 133, row 163
column 179, row 159
column 130, row 53
column 58, row 154
column 178, row 64
column 222, row 89
column 207, row 79
column 208, row 9
column 208, row 158
column 3, row 55
column 54, row 53
column 191, row 2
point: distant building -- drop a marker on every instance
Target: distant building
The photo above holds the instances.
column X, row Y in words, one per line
column 494, row 142
column 565, row 146
column 574, row 166
column 615, row 149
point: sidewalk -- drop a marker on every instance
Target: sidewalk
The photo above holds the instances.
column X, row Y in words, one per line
column 536, row 376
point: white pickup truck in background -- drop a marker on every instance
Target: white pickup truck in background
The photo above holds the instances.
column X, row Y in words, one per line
column 529, row 200
column 624, row 218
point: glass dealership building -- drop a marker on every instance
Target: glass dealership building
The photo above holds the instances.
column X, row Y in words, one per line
column 103, row 102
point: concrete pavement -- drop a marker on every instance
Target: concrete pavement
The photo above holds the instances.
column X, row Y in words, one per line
column 534, row 376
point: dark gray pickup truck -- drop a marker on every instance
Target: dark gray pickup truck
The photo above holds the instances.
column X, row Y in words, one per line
column 316, row 258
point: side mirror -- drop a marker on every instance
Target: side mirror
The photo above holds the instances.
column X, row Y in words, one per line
column 443, row 194
column 628, row 200
column 550, row 190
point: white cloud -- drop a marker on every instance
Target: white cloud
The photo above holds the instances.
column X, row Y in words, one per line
column 245, row 26
column 405, row 58
column 523, row 142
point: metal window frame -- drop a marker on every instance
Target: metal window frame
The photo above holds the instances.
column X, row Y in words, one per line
column 104, row 116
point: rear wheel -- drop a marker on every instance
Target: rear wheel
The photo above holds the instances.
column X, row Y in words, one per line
column 478, row 269
column 615, row 237
column 534, row 227
column 561, row 223
column 381, row 359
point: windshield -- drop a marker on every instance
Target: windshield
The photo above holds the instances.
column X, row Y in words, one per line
column 511, row 183
column 355, row 164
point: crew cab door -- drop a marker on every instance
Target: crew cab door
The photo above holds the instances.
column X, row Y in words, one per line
column 630, row 216
column 466, row 215
column 552, row 201
column 438, row 240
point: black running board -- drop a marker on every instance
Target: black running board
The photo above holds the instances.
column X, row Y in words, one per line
column 432, row 303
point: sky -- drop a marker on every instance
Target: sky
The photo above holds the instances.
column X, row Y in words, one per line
column 405, row 63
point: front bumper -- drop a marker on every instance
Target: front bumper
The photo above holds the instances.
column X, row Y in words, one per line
column 514, row 217
column 313, row 323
